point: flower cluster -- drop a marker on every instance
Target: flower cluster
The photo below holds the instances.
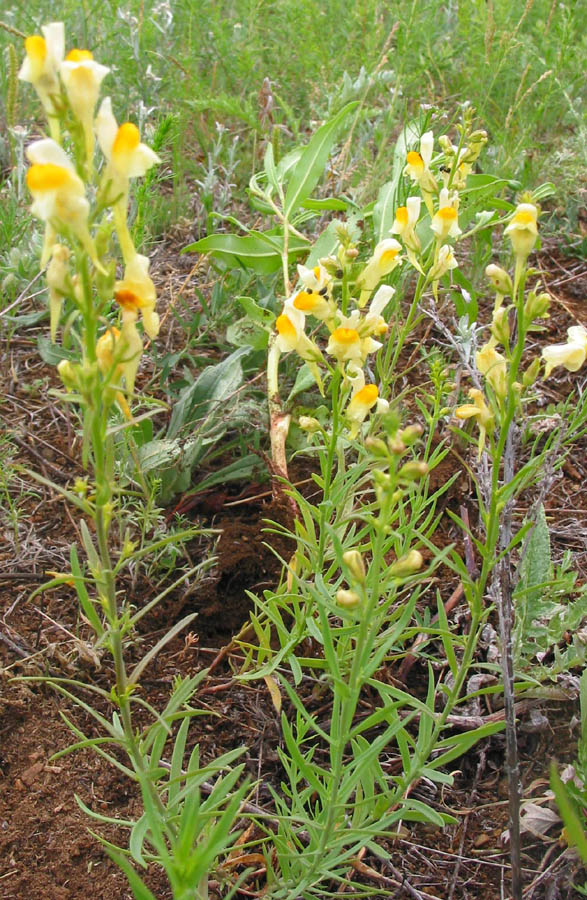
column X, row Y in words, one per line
column 61, row 183
column 352, row 337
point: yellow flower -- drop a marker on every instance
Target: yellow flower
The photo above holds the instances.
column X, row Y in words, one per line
column 493, row 366
column 445, row 262
column 317, row 280
column 127, row 158
column 445, row 222
column 57, row 281
column 571, row 355
column 363, row 398
column 59, row 195
column 82, row 77
column 291, row 336
column 523, row 229
column 44, row 55
column 314, row 304
column 344, row 344
column 121, row 145
column 129, row 339
column 480, row 411
column 418, row 164
column 138, row 287
column 384, row 260
column 405, row 221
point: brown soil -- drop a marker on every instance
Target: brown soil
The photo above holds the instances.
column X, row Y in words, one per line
column 46, row 850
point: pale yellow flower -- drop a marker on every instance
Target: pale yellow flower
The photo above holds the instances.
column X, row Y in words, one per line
column 127, row 158
column 405, row 221
column 571, row 355
column 44, row 55
column 82, row 77
column 317, row 279
column 129, row 339
column 418, row 164
column 445, row 222
column 445, row 262
column 493, row 366
column 291, row 336
column 523, row 229
column 59, row 195
column 345, row 344
column 121, row 145
column 480, row 411
column 138, row 289
column 314, row 304
column 386, row 257
column 363, row 398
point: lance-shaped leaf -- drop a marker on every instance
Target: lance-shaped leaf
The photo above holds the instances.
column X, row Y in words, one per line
column 260, row 252
column 310, row 166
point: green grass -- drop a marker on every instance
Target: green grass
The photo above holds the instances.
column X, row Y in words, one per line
column 202, row 62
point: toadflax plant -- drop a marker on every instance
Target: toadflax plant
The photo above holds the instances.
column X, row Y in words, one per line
column 82, row 205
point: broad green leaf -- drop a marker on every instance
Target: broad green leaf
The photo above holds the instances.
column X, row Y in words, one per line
column 51, row 353
column 250, row 251
column 255, row 312
column 158, row 454
column 310, row 166
column 245, row 333
column 304, row 381
column 214, row 385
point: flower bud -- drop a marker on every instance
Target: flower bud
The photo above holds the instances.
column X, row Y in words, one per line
column 531, row 373
column 500, row 279
column 500, row 328
column 396, row 446
column 309, row 424
column 410, row 434
column 413, row 471
column 407, row 565
column 376, row 447
column 68, row 374
column 351, row 253
column 536, row 306
column 347, row 599
column 354, row 561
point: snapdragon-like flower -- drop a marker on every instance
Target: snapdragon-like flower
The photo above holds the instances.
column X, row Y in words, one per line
column 445, row 222
column 363, row 398
column 480, row 411
column 139, row 289
column 418, row 165
column 129, row 338
column 571, row 355
column 344, row 344
column 386, row 257
column 523, row 229
column 57, row 282
column 59, row 195
column 445, row 262
column 44, row 55
column 317, row 279
column 493, row 366
column 82, row 77
column 127, row 158
column 405, row 221
column 291, row 336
